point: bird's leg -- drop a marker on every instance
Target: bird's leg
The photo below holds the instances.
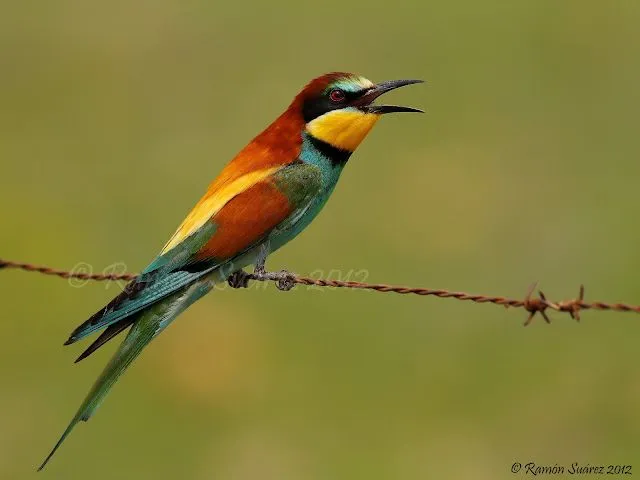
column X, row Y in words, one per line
column 261, row 259
column 240, row 278
column 284, row 279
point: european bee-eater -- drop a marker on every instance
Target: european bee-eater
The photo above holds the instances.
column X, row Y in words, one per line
column 262, row 199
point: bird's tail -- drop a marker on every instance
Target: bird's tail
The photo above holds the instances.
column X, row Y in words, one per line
column 149, row 323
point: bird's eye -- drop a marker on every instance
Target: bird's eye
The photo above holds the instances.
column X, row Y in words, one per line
column 336, row 95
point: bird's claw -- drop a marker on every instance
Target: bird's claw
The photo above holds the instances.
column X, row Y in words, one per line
column 286, row 281
column 239, row 279
column 283, row 279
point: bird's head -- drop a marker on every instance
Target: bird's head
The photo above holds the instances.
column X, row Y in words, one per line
column 338, row 108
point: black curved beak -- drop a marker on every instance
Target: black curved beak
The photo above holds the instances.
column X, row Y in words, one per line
column 366, row 100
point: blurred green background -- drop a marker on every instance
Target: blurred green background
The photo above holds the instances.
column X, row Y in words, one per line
column 114, row 117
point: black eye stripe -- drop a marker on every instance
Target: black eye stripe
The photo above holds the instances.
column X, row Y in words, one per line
column 350, row 96
column 314, row 107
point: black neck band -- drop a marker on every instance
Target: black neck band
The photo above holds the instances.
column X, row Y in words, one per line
column 337, row 156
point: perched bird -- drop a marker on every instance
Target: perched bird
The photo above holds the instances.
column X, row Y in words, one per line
column 262, row 199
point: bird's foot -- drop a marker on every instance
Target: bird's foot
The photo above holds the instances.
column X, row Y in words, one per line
column 284, row 280
column 239, row 279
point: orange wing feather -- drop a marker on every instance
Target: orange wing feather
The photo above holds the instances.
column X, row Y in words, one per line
column 278, row 145
column 245, row 220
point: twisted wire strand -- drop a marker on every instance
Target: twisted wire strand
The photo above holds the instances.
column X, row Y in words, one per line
column 531, row 304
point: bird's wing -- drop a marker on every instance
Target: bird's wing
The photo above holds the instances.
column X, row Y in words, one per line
column 245, row 220
column 214, row 233
column 197, row 229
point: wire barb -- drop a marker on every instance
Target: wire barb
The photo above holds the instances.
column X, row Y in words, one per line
column 572, row 306
column 531, row 304
column 535, row 305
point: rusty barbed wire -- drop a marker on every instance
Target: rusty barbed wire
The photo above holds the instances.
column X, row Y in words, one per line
column 533, row 305
column 29, row 267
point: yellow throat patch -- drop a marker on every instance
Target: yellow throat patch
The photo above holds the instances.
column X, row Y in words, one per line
column 343, row 129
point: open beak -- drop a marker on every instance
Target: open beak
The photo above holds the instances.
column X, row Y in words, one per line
column 366, row 100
